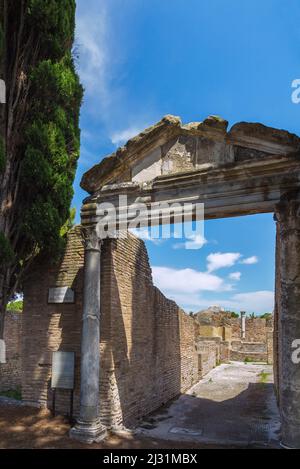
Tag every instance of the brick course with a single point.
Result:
(10, 372)
(147, 348)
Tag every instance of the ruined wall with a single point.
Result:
(10, 372)
(147, 348)
(208, 355)
(252, 351)
(258, 342)
(256, 329)
(51, 327)
(149, 352)
(212, 351)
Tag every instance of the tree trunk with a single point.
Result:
(27, 44)
(14, 72)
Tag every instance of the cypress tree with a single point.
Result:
(39, 133)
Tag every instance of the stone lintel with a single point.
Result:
(226, 192)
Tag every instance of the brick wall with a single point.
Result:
(213, 351)
(256, 329)
(147, 347)
(51, 327)
(208, 355)
(10, 372)
(255, 351)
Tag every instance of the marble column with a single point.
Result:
(88, 428)
(287, 215)
(243, 325)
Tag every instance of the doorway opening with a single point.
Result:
(225, 283)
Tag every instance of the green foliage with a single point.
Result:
(54, 22)
(15, 306)
(69, 223)
(266, 316)
(13, 394)
(2, 155)
(52, 135)
(247, 360)
(234, 315)
(6, 252)
(263, 377)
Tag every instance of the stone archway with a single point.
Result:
(250, 169)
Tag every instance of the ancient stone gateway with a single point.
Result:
(250, 169)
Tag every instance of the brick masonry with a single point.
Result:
(257, 344)
(10, 372)
(147, 347)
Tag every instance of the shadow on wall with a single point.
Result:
(141, 360)
(147, 346)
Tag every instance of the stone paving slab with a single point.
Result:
(233, 405)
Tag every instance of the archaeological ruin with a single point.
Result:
(134, 348)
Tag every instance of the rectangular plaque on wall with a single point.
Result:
(61, 295)
(63, 365)
(2, 351)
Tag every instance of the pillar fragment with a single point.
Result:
(88, 428)
(287, 215)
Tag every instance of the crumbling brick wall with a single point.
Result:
(147, 347)
(208, 355)
(10, 372)
(256, 329)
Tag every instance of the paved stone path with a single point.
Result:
(234, 405)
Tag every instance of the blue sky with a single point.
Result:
(140, 60)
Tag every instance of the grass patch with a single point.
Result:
(12, 394)
(248, 360)
(15, 306)
(263, 377)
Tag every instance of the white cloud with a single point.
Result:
(252, 302)
(122, 136)
(188, 287)
(250, 260)
(235, 276)
(92, 39)
(174, 281)
(102, 54)
(219, 260)
(194, 241)
(257, 301)
(145, 235)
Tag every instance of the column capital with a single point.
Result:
(92, 242)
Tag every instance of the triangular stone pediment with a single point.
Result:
(169, 147)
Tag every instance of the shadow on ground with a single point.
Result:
(234, 405)
(25, 427)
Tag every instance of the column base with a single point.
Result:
(87, 432)
(284, 446)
